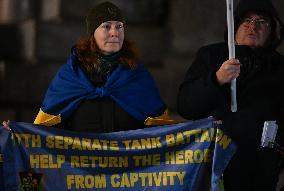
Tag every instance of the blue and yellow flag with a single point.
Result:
(164, 158)
(133, 89)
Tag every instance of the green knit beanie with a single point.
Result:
(103, 12)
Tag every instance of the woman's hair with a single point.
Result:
(87, 50)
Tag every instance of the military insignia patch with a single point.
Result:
(31, 181)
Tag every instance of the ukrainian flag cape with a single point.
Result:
(134, 90)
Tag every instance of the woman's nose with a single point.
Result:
(253, 25)
(113, 32)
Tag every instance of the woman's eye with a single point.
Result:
(247, 21)
(119, 26)
(106, 27)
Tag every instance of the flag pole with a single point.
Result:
(231, 45)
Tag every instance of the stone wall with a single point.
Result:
(36, 37)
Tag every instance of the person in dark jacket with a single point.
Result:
(258, 70)
(102, 87)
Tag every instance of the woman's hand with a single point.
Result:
(229, 70)
(6, 124)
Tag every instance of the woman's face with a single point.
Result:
(254, 31)
(109, 36)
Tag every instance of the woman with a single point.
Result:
(102, 88)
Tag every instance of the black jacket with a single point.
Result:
(101, 115)
(259, 91)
